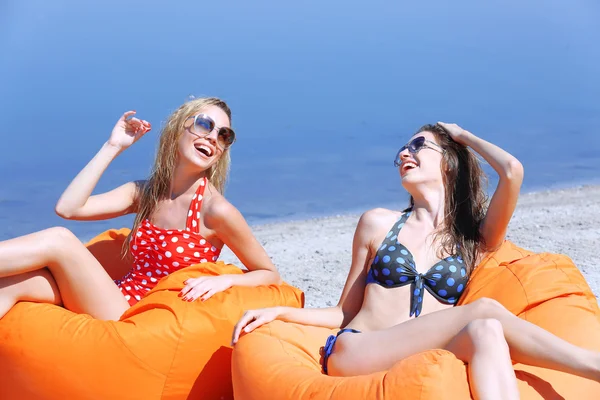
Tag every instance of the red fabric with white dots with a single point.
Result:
(158, 252)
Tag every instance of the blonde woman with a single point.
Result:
(182, 219)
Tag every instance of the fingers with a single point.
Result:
(186, 289)
(249, 322)
(127, 114)
(133, 123)
(190, 284)
(202, 287)
(194, 281)
(246, 318)
(254, 324)
(144, 128)
(448, 125)
(141, 132)
(452, 129)
(143, 124)
(137, 126)
(208, 294)
(133, 126)
(192, 294)
(196, 292)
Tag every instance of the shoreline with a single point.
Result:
(351, 211)
(315, 254)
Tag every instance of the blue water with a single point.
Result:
(323, 93)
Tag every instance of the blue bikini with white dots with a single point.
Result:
(394, 266)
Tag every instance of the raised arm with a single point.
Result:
(77, 203)
(504, 200)
(330, 317)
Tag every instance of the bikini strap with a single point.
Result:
(193, 218)
(392, 236)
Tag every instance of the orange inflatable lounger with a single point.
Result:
(162, 348)
(283, 361)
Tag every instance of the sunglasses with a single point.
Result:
(203, 125)
(414, 146)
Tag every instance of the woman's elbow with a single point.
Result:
(514, 171)
(62, 211)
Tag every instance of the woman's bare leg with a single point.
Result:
(83, 284)
(528, 343)
(482, 346)
(36, 286)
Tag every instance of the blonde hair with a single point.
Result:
(158, 185)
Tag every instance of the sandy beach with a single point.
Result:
(314, 255)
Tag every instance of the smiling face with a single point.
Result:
(202, 151)
(454, 171)
(424, 166)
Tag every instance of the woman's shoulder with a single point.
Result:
(216, 208)
(376, 215)
(378, 218)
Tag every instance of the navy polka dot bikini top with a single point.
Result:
(394, 266)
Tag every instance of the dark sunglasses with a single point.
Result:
(203, 125)
(414, 146)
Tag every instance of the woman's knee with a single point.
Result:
(58, 237)
(59, 233)
(485, 330)
(485, 307)
(481, 335)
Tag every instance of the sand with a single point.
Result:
(314, 255)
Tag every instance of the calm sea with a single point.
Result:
(323, 93)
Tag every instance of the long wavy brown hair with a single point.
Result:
(157, 186)
(465, 199)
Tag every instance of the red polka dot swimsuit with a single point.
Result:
(158, 252)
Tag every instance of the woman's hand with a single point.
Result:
(458, 134)
(204, 287)
(127, 131)
(253, 319)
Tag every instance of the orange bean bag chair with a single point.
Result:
(283, 361)
(162, 348)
